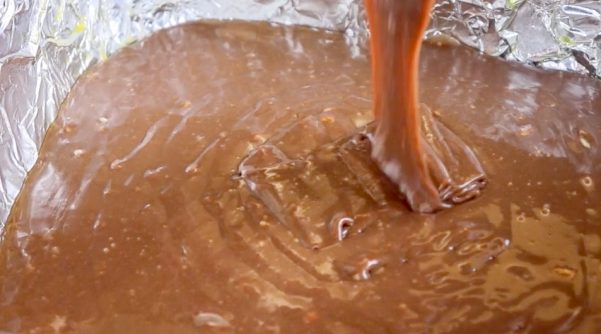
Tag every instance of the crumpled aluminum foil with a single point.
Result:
(553, 34)
(45, 45)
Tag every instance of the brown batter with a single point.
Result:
(211, 179)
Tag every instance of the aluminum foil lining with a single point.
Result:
(45, 45)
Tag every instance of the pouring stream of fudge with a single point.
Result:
(433, 168)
